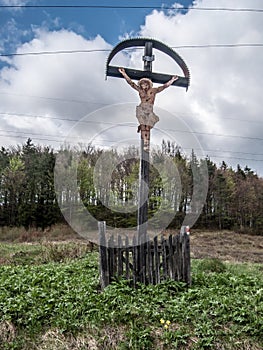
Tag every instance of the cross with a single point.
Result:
(144, 112)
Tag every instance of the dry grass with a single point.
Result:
(19, 234)
(224, 245)
(55, 340)
(63, 251)
(107, 338)
(7, 332)
(227, 246)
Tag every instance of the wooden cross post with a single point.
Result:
(144, 112)
(145, 131)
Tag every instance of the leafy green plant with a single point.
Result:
(211, 265)
(137, 337)
(59, 252)
(176, 337)
(220, 308)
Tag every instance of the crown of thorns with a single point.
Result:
(145, 80)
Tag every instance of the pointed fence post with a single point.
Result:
(104, 266)
(186, 259)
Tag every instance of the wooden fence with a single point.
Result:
(150, 262)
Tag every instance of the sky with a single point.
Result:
(59, 94)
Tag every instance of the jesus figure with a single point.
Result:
(147, 93)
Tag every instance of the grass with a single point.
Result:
(50, 297)
(59, 232)
(44, 252)
(59, 305)
(227, 246)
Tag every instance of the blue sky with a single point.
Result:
(44, 96)
(18, 25)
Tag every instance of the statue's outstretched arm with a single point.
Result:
(167, 84)
(128, 79)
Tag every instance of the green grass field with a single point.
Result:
(50, 298)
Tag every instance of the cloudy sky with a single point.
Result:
(53, 87)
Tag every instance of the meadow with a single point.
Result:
(50, 298)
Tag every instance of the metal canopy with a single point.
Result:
(183, 81)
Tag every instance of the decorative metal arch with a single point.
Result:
(148, 44)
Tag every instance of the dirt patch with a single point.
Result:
(227, 246)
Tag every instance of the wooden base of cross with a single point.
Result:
(145, 131)
(143, 182)
(147, 120)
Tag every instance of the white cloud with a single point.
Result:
(224, 97)
(66, 86)
(225, 82)
(13, 2)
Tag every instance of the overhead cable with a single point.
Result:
(59, 52)
(174, 8)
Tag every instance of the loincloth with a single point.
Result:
(145, 115)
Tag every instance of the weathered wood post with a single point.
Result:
(186, 259)
(145, 130)
(104, 266)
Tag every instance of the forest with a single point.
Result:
(30, 198)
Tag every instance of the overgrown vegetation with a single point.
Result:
(61, 306)
(27, 195)
(50, 296)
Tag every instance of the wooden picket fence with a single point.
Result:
(150, 262)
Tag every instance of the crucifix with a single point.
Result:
(147, 119)
(144, 111)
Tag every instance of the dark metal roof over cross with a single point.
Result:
(148, 58)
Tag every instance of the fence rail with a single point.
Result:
(150, 262)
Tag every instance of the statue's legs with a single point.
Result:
(147, 120)
(145, 115)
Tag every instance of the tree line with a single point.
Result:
(30, 198)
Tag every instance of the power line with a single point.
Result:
(226, 151)
(57, 118)
(46, 137)
(53, 52)
(99, 144)
(217, 46)
(63, 52)
(125, 123)
(217, 135)
(35, 138)
(96, 103)
(115, 141)
(229, 9)
(244, 120)
(26, 133)
(239, 158)
(54, 98)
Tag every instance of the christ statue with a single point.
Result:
(147, 93)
